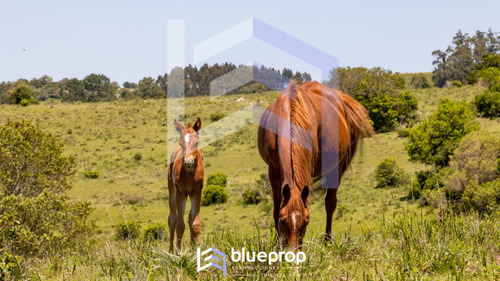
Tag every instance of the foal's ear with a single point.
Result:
(286, 192)
(197, 124)
(305, 194)
(178, 126)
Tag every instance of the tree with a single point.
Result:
(130, 85)
(147, 88)
(73, 90)
(347, 79)
(31, 161)
(435, 139)
(99, 87)
(461, 58)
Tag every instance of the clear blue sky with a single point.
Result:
(126, 40)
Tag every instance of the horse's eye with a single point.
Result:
(196, 144)
(281, 221)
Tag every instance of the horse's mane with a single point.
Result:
(303, 143)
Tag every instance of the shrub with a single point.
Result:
(24, 102)
(138, 157)
(213, 194)
(127, 230)
(44, 224)
(388, 111)
(216, 116)
(457, 83)
(435, 139)
(155, 231)
(474, 161)
(388, 174)
(32, 161)
(19, 94)
(218, 178)
(425, 180)
(483, 198)
(91, 174)
(488, 104)
(10, 267)
(252, 196)
(419, 82)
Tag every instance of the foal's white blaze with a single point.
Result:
(186, 138)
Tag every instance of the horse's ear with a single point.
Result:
(197, 124)
(178, 126)
(305, 194)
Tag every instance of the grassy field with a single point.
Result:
(378, 233)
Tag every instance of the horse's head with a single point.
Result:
(293, 215)
(189, 142)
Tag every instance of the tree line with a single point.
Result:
(197, 82)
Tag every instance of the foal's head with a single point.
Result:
(294, 215)
(189, 142)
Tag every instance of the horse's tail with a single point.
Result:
(357, 118)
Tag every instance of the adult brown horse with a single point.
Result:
(310, 131)
(185, 178)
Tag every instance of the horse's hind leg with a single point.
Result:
(172, 217)
(181, 206)
(330, 205)
(194, 217)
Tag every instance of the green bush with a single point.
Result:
(127, 230)
(213, 194)
(138, 157)
(24, 102)
(457, 83)
(19, 94)
(488, 104)
(217, 116)
(388, 111)
(420, 82)
(389, 174)
(32, 161)
(91, 174)
(474, 161)
(483, 198)
(218, 178)
(10, 267)
(435, 139)
(44, 224)
(425, 180)
(252, 196)
(155, 231)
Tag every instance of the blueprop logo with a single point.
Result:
(214, 260)
(245, 256)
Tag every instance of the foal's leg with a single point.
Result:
(330, 205)
(172, 217)
(194, 217)
(181, 206)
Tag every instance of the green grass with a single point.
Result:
(378, 234)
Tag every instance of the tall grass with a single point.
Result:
(401, 248)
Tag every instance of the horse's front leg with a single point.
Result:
(181, 206)
(194, 216)
(172, 217)
(275, 180)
